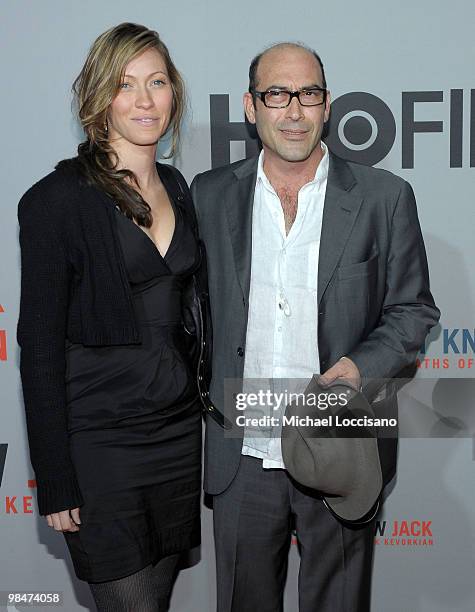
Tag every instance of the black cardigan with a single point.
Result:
(74, 286)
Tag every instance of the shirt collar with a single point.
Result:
(321, 174)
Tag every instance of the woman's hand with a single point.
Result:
(66, 520)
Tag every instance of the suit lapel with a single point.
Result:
(340, 210)
(239, 205)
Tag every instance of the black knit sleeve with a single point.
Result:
(41, 333)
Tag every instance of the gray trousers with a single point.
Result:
(253, 520)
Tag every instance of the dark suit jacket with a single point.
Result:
(375, 305)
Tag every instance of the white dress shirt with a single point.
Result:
(282, 328)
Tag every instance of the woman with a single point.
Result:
(108, 245)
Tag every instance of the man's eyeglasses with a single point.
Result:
(281, 98)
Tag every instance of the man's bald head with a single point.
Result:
(253, 68)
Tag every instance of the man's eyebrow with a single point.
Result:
(129, 76)
(288, 89)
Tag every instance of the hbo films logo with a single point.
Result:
(362, 127)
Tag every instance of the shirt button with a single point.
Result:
(240, 351)
(279, 328)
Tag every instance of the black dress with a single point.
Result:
(134, 421)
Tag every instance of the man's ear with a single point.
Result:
(249, 107)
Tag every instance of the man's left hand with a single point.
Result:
(344, 371)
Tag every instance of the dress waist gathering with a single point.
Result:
(159, 301)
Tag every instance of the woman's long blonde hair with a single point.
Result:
(95, 88)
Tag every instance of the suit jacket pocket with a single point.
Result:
(359, 269)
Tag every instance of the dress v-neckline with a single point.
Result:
(168, 188)
(149, 238)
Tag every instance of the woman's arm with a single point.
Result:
(45, 279)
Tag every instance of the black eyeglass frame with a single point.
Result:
(293, 94)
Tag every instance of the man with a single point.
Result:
(336, 282)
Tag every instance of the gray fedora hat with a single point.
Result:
(324, 450)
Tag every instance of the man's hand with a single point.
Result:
(66, 520)
(344, 371)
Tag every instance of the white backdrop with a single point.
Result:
(382, 49)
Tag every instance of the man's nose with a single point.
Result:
(294, 109)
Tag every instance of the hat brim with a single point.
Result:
(361, 504)
(345, 510)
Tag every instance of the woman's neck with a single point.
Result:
(141, 161)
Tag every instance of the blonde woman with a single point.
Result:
(108, 245)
